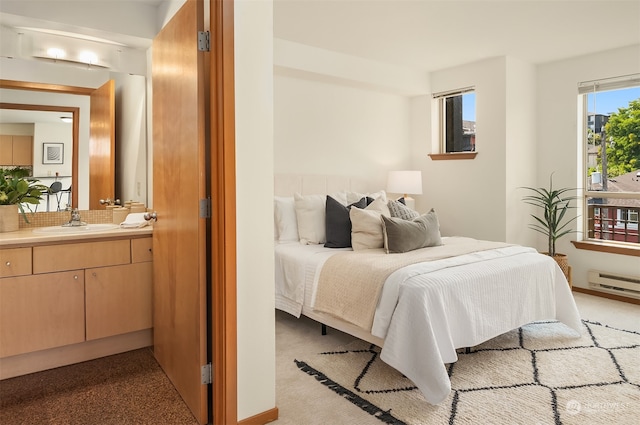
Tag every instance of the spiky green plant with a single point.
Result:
(17, 189)
(554, 204)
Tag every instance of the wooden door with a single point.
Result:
(102, 138)
(179, 177)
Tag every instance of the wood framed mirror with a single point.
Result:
(101, 148)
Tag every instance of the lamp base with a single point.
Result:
(410, 202)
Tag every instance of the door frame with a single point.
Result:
(223, 332)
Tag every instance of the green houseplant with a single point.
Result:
(18, 189)
(554, 204)
(553, 222)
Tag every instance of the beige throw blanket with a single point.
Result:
(350, 282)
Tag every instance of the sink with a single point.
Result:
(69, 230)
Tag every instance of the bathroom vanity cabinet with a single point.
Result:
(73, 300)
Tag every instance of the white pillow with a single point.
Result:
(356, 196)
(310, 213)
(342, 198)
(286, 224)
(366, 225)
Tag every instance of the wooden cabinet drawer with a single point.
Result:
(141, 250)
(80, 255)
(15, 262)
(41, 311)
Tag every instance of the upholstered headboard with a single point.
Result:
(309, 184)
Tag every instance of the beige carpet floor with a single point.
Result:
(303, 401)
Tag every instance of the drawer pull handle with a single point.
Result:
(75, 277)
(8, 263)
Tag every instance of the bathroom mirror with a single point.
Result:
(130, 169)
(46, 126)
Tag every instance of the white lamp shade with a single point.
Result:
(405, 182)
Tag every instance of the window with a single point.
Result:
(457, 121)
(611, 145)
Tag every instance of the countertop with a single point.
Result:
(24, 237)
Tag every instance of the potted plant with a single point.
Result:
(552, 223)
(17, 189)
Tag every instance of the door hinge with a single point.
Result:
(203, 41)
(206, 374)
(205, 208)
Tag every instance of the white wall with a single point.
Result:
(468, 195)
(338, 114)
(254, 173)
(558, 148)
(522, 131)
(326, 128)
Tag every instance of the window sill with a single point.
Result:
(608, 247)
(452, 155)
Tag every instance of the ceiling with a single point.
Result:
(437, 34)
(423, 34)
(16, 116)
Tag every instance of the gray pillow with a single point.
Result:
(406, 235)
(400, 210)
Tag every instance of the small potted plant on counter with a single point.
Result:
(16, 190)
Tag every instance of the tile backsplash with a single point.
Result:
(43, 219)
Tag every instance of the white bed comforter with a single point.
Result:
(428, 310)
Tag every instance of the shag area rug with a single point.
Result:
(537, 374)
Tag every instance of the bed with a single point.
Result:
(419, 304)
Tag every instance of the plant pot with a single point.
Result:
(9, 218)
(563, 262)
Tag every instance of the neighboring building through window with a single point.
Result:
(457, 113)
(611, 177)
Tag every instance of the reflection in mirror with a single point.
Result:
(131, 170)
(36, 138)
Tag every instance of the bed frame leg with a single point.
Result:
(324, 329)
(467, 350)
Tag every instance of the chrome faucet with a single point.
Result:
(75, 219)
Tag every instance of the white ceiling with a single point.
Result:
(16, 116)
(423, 34)
(437, 34)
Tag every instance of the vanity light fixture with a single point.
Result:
(66, 119)
(56, 53)
(88, 57)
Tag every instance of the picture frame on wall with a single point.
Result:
(53, 153)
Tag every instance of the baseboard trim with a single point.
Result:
(38, 361)
(606, 295)
(261, 418)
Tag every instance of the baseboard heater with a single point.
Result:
(626, 286)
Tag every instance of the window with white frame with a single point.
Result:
(611, 148)
(457, 120)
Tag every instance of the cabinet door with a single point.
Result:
(41, 312)
(22, 150)
(141, 250)
(6, 150)
(118, 299)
